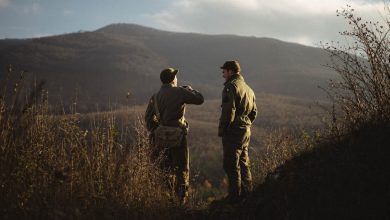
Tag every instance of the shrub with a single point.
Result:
(363, 89)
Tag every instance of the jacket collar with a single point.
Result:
(235, 76)
(166, 85)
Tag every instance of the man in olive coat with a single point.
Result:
(171, 101)
(238, 113)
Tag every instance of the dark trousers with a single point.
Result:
(236, 161)
(175, 161)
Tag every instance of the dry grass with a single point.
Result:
(98, 164)
(281, 145)
(51, 166)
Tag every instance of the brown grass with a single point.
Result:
(52, 166)
(98, 164)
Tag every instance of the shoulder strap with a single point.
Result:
(156, 107)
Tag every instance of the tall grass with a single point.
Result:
(280, 146)
(53, 166)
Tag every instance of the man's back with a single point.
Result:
(171, 105)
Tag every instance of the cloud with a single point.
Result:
(302, 21)
(4, 3)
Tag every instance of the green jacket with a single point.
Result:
(238, 107)
(171, 105)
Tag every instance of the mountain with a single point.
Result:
(99, 67)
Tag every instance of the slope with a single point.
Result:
(345, 177)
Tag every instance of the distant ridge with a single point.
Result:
(103, 65)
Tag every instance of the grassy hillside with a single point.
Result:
(276, 113)
(97, 165)
(345, 177)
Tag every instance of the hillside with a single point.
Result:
(344, 177)
(101, 66)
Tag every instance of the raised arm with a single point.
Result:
(191, 96)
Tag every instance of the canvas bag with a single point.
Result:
(166, 136)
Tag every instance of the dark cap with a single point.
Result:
(232, 65)
(168, 75)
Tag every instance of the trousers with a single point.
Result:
(236, 161)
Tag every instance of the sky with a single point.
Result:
(301, 21)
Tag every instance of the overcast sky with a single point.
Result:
(302, 21)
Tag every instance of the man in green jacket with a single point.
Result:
(171, 101)
(238, 113)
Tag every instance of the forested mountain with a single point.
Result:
(101, 66)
